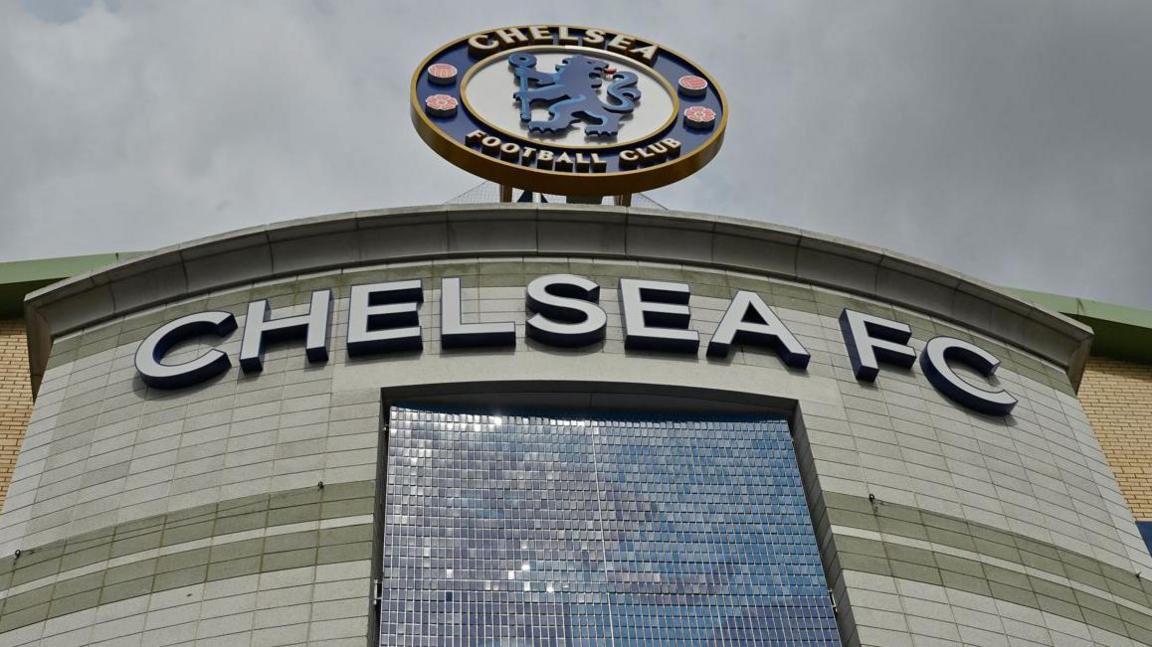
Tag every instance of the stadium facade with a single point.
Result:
(562, 424)
(494, 463)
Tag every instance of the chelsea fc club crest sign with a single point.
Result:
(568, 110)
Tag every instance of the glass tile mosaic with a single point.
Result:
(571, 530)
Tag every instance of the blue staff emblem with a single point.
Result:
(570, 95)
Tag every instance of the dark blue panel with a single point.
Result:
(571, 531)
(1145, 528)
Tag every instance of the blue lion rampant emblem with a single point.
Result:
(570, 95)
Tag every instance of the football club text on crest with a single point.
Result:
(568, 110)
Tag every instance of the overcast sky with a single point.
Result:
(1009, 140)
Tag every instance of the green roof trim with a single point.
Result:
(1122, 332)
(18, 278)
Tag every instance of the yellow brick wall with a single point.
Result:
(15, 396)
(1117, 396)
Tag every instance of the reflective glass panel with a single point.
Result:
(569, 530)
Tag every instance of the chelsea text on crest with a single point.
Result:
(487, 43)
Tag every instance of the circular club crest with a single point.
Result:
(568, 110)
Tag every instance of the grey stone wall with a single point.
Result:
(194, 517)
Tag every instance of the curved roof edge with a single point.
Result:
(1122, 332)
(468, 231)
(19, 278)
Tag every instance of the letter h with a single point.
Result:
(313, 327)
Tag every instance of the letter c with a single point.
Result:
(174, 376)
(934, 362)
(480, 45)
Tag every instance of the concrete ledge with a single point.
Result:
(460, 231)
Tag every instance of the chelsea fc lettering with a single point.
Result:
(565, 312)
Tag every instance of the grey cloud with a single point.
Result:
(1008, 140)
